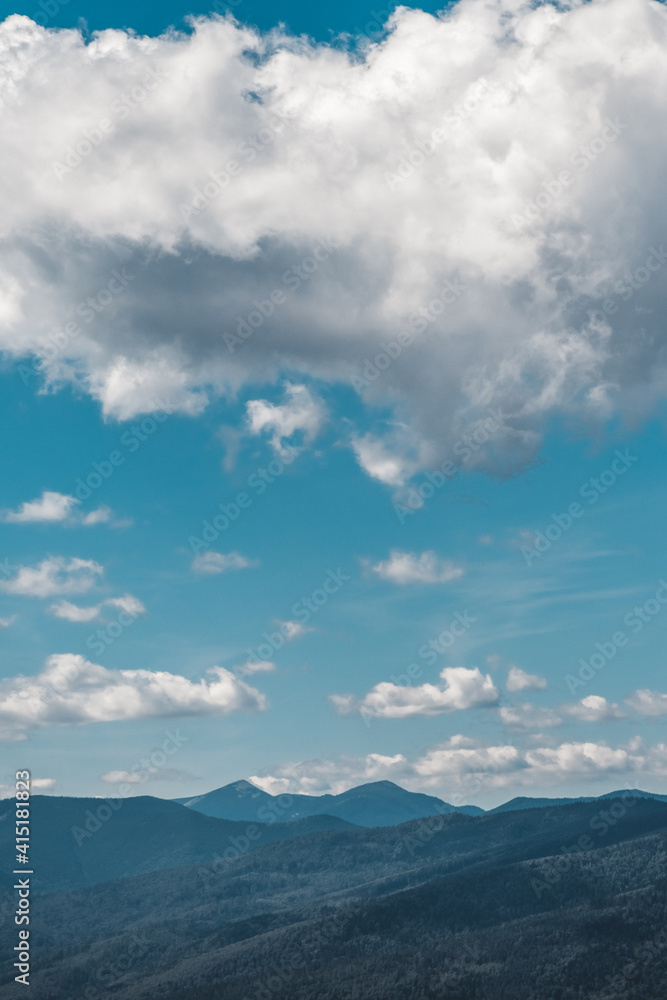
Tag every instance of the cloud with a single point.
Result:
(73, 613)
(6, 622)
(408, 567)
(143, 774)
(463, 689)
(49, 507)
(646, 702)
(389, 459)
(132, 605)
(519, 680)
(525, 717)
(55, 575)
(462, 769)
(71, 689)
(255, 667)
(301, 413)
(479, 253)
(56, 508)
(208, 563)
(594, 708)
(38, 785)
(293, 630)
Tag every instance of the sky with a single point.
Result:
(333, 378)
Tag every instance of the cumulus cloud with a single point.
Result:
(6, 622)
(302, 412)
(55, 575)
(519, 680)
(473, 767)
(56, 507)
(525, 717)
(482, 252)
(408, 567)
(463, 689)
(209, 563)
(49, 507)
(594, 708)
(647, 702)
(71, 689)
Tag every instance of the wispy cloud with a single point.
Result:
(210, 563)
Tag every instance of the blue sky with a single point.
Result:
(169, 427)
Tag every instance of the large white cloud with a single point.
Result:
(71, 689)
(463, 689)
(484, 250)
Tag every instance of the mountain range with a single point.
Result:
(549, 902)
(378, 803)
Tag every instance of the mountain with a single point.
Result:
(521, 802)
(78, 841)
(540, 904)
(378, 803)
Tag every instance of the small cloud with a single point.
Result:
(57, 508)
(73, 613)
(255, 667)
(128, 603)
(380, 461)
(217, 562)
(526, 716)
(408, 567)
(647, 702)
(485, 540)
(6, 622)
(100, 516)
(594, 708)
(143, 774)
(302, 413)
(519, 680)
(292, 630)
(50, 507)
(53, 576)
